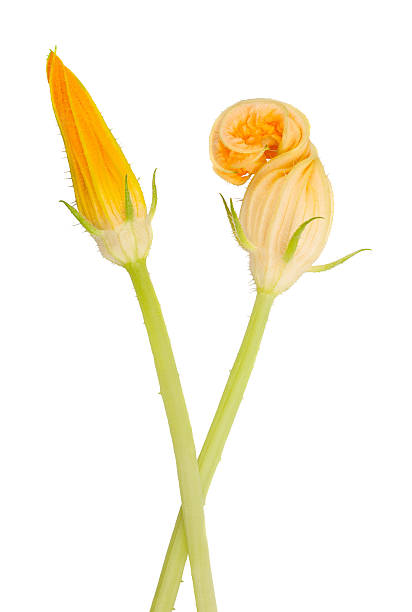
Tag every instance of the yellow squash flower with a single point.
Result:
(110, 202)
(287, 210)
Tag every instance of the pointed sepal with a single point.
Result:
(241, 236)
(236, 226)
(333, 264)
(154, 196)
(89, 227)
(229, 216)
(130, 212)
(294, 241)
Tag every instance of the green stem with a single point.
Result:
(209, 458)
(194, 531)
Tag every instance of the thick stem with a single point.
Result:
(193, 522)
(209, 458)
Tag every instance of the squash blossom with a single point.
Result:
(287, 209)
(110, 202)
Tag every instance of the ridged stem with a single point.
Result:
(193, 521)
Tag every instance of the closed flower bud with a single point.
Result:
(110, 202)
(248, 134)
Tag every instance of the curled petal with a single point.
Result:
(249, 134)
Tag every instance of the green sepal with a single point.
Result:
(130, 212)
(333, 264)
(154, 196)
(229, 216)
(243, 241)
(236, 226)
(293, 242)
(89, 227)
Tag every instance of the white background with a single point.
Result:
(311, 506)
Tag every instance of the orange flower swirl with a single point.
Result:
(252, 132)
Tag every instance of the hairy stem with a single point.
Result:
(193, 521)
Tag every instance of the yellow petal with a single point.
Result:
(97, 164)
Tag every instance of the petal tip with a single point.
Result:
(51, 59)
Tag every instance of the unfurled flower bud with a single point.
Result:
(287, 209)
(248, 134)
(110, 203)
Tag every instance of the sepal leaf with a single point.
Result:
(229, 216)
(236, 226)
(242, 239)
(89, 227)
(130, 212)
(154, 196)
(294, 241)
(333, 264)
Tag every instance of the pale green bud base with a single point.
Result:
(128, 242)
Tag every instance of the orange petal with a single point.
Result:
(252, 132)
(97, 164)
